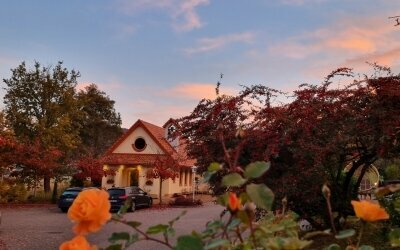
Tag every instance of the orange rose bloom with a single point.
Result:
(369, 211)
(234, 202)
(90, 210)
(77, 243)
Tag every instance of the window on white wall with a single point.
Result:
(186, 177)
(180, 177)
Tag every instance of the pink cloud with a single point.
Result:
(347, 37)
(386, 58)
(214, 43)
(186, 17)
(152, 111)
(197, 91)
(82, 85)
(348, 42)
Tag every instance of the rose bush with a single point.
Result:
(236, 230)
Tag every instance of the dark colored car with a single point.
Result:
(67, 197)
(134, 196)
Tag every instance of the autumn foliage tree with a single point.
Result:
(40, 108)
(324, 134)
(33, 161)
(164, 168)
(44, 111)
(89, 167)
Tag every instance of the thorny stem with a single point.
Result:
(328, 203)
(252, 234)
(225, 234)
(146, 236)
(360, 234)
(233, 164)
(239, 234)
(226, 153)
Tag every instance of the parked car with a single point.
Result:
(68, 196)
(135, 197)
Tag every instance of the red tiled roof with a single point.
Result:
(158, 134)
(138, 159)
(119, 158)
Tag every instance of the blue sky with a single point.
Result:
(158, 58)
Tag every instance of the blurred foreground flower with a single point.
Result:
(90, 210)
(77, 243)
(369, 211)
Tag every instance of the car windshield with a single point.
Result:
(114, 192)
(70, 193)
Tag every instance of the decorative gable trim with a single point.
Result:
(165, 146)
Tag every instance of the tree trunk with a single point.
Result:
(55, 191)
(161, 181)
(46, 184)
(35, 185)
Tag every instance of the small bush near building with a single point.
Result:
(12, 192)
(184, 201)
(40, 197)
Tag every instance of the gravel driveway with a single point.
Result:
(46, 227)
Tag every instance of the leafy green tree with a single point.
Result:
(101, 124)
(40, 104)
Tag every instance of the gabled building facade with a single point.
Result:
(138, 150)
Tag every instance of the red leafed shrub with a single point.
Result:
(184, 201)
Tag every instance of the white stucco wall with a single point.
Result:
(126, 145)
(121, 179)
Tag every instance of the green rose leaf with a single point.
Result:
(333, 247)
(160, 228)
(233, 180)
(188, 242)
(394, 237)
(256, 169)
(234, 223)
(134, 224)
(295, 243)
(134, 238)
(345, 234)
(217, 243)
(114, 247)
(119, 236)
(366, 247)
(214, 166)
(261, 195)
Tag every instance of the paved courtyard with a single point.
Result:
(46, 227)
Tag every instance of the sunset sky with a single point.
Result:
(158, 58)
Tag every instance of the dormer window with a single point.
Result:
(171, 131)
(171, 136)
